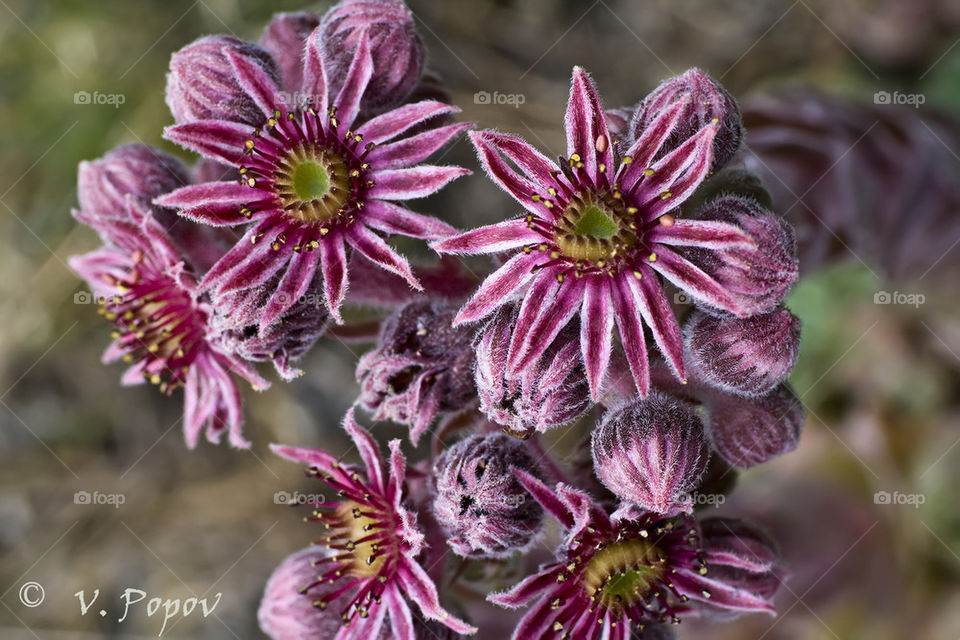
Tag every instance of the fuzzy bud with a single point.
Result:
(420, 368)
(551, 392)
(757, 277)
(651, 452)
(398, 54)
(749, 356)
(708, 101)
(201, 84)
(237, 317)
(479, 502)
(750, 431)
(285, 38)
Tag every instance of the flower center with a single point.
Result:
(312, 183)
(623, 574)
(363, 536)
(595, 228)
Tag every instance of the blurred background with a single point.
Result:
(879, 370)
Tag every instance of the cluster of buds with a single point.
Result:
(311, 142)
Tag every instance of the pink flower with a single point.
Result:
(599, 237)
(376, 542)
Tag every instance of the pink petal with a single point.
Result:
(498, 286)
(536, 166)
(333, 263)
(553, 316)
(520, 187)
(310, 457)
(415, 149)
(693, 280)
(348, 101)
(586, 124)
(627, 314)
(260, 263)
(217, 139)
(401, 621)
(376, 250)
(494, 238)
(420, 588)
(394, 219)
(315, 75)
(645, 148)
(256, 82)
(708, 234)
(392, 123)
(596, 326)
(213, 203)
(295, 282)
(368, 451)
(541, 293)
(414, 182)
(679, 173)
(526, 590)
(658, 315)
(546, 497)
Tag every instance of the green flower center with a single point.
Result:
(623, 573)
(595, 229)
(310, 180)
(313, 184)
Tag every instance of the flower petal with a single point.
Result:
(494, 238)
(658, 315)
(498, 286)
(376, 250)
(586, 126)
(310, 457)
(678, 174)
(394, 122)
(645, 147)
(708, 234)
(401, 621)
(553, 316)
(333, 263)
(369, 452)
(358, 77)
(256, 82)
(315, 74)
(693, 280)
(547, 498)
(596, 326)
(420, 588)
(213, 203)
(536, 166)
(295, 282)
(415, 149)
(216, 139)
(414, 182)
(394, 219)
(520, 187)
(627, 313)
(526, 590)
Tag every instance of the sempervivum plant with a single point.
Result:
(312, 141)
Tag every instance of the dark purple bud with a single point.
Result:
(741, 557)
(285, 38)
(757, 277)
(237, 316)
(651, 452)
(397, 51)
(551, 392)
(707, 102)
(748, 356)
(286, 612)
(421, 367)
(479, 502)
(130, 170)
(201, 84)
(750, 431)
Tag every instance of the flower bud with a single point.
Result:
(479, 502)
(748, 356)
(742, 558)
(551, 392)
(237, 316)
(420, 368)
(201, 84)
(757, 277)
(286, 613)
(285, 39)
(708, 101)
(651, 452)
(750, 431)
(132, 169)
(398, 54)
